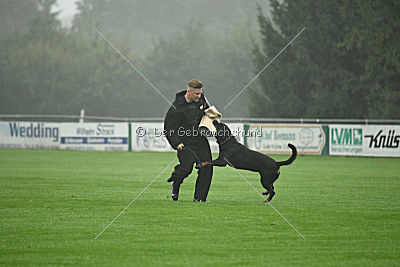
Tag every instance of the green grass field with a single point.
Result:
(54, 203)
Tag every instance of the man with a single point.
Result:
(181, 130)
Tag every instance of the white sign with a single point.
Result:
(147, 136)
(274, 138)
(381, 141)
(365, 140)
(94, 136)
(16, 134)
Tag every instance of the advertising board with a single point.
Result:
(274, 138)
(94, 136)
(76, 136)
(346, 140)
(383, 141)
(17, 134)
(147, 136)
(365, 140)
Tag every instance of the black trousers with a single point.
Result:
(186, 164)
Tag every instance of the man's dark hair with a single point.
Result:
(195, 84)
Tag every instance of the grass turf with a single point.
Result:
(54, 203)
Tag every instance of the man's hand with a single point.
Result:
(180, 146)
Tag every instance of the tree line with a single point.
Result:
(345, 64)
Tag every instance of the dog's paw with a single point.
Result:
(270, 196)
(268, 199)
(201, 165)
(265, 193)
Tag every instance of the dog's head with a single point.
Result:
(222, 131)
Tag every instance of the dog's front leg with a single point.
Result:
(202, 164)
(219, 162)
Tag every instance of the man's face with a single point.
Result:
(194, 94)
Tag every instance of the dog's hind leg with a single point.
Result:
(277, 173)
(268, 183)
(271, 192)
(267, 192)
(270, 197)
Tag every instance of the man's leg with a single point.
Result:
(182, 170)
(204, 177)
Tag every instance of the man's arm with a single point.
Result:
(171, 129)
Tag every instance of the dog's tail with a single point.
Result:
(292, 157)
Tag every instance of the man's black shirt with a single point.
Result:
(181, 125)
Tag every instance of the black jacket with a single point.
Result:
(181, 125)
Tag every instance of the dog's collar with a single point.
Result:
(226, 140)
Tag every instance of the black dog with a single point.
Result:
(236, 155)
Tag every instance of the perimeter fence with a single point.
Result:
(350, 137)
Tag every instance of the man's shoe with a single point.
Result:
(175, 190)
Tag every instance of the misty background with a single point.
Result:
(345, 64)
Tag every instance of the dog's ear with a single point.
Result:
(215, 122)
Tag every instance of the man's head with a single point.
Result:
(194, 91)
